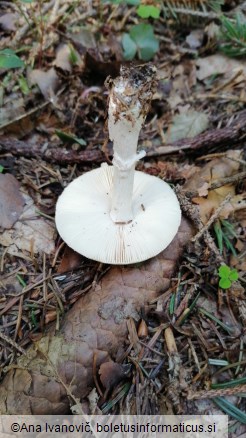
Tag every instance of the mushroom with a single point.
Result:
(115, 214)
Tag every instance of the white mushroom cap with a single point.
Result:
(83, 218)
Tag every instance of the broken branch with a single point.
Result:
(230, 135)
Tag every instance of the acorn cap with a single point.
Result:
(83, 218)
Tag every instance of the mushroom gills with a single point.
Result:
(84, 222)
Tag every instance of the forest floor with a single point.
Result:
(54, 59)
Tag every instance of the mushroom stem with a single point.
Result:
(90, 210)
(129, 100)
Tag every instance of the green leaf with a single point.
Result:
(33, 318)
(73, 55)
(1, 168)
(8, 59)
(229, 245)
(69, 138)
(21, 281)
(224, 283)
(233, 33)
(218, 362)
(230, 409)
(219, 235)
(224, 271)
(187, 125)
(146, 53)
(233, 275)
(143, 36)
(146, 11)
(23, 85)
(229, 384)
(129, 47)
(229, 227)
(230, 28)
(172, 304)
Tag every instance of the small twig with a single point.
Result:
(176, 48)
(193, 352)
(54, 11)
(19, 316)
(151, 349)
(212, 139)
(216, 393)
(13, 343)
(44, 278)
(95, 279)
(210, 242)
(34, 285)
(228, 180)
(193, 213)
(214, 216)
(95, 374)
(57, 293)
(2, 259)
(21, 33)
(25, 115)
(188, 208)
(227, 97)
(228, 82)
(195, 13)
(221, 155)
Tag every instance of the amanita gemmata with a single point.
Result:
(115, 214)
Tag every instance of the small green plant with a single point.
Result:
(225, 232)
(8, 59)
(233, 34)
(148, 11)
(141, 41)
(73, 55)
(70, 138)
(227, 276)
(23, 85)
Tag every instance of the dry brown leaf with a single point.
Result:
(47, 81)
(11, 201)
(239, 261)
(217, 64)
(143, 329)
(195, 38)
(70, 260)
(31, 233)
(203, 191)
(111, 373)
(216, 169)
(63, 58)
(96, 325)
(10, 286)
(183, 78)
(84, 38)
(51, 315)
(7, 21)
(236, 203)
(187, 125)
(13, 109)
(223, 314)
